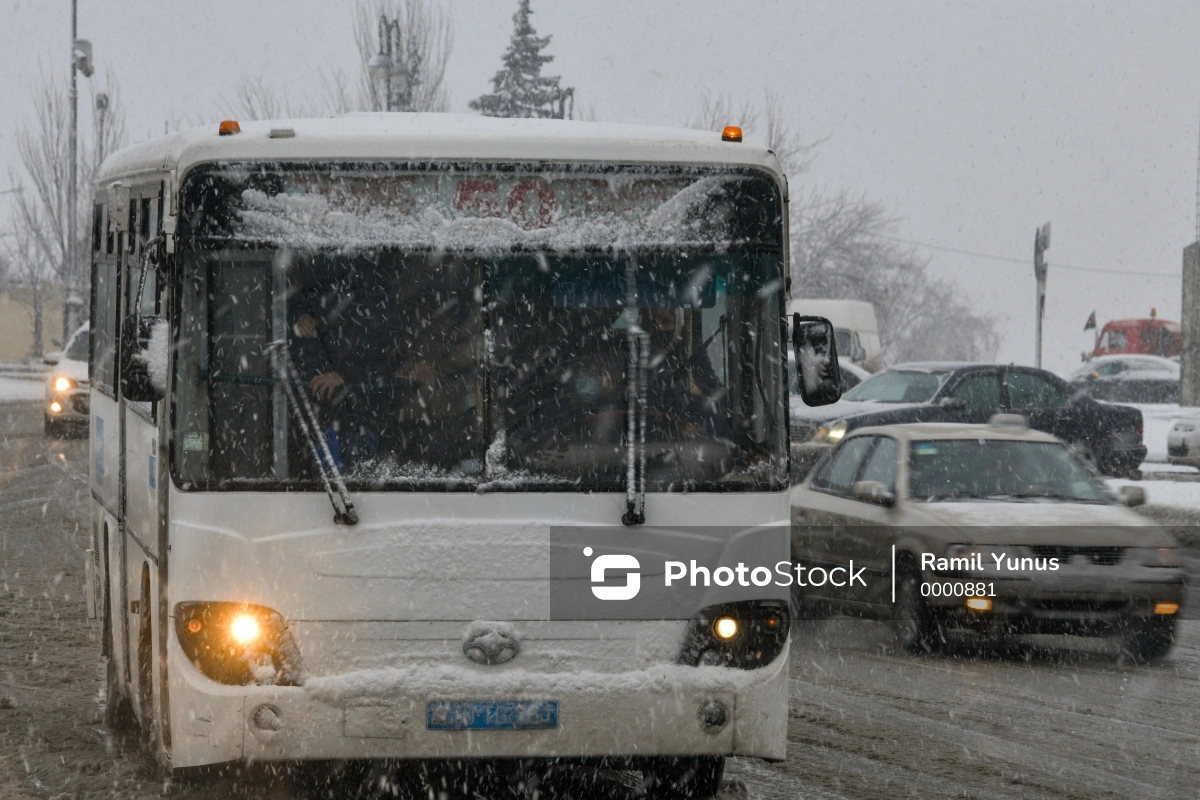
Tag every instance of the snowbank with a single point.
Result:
(16, 390)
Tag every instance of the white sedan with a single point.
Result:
(66, 408)
(986, 530)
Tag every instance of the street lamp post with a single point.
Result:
(81, 61)
(1041, 243)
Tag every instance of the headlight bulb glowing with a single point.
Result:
(725, 627)
(244, 629)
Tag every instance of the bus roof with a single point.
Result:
(426, 136)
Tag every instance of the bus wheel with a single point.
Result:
(693, 778)
(118, 711)
(145, 665)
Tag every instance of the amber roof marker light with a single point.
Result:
(228, 127)
(732, 133)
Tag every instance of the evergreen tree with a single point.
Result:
(519, 89)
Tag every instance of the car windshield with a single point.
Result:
(999, 469)
(899, 386)
(77, 350)
(506, 363)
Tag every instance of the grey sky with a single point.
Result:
(974, 122)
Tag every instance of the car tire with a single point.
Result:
(1149, 640)
(52, 429)
(691, 777)
(911, 621)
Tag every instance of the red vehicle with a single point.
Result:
(1151, 336)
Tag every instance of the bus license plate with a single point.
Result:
(502, 715)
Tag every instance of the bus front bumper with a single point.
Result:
(666, 710)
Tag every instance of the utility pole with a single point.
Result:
(81, 61)
(1041, 243)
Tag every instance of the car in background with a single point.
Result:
(851, 376)
(1105, 435)
(1183, 441)
(855, 329)
(1145, 336)
(902, 500)
(66, 408)
(1129, 379)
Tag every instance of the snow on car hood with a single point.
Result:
(978, 521)
(75, 370)
(841, 409)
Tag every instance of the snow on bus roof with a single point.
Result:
(427, 136)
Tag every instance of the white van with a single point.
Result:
(854, 325)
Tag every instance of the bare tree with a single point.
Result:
(842, 247)
(421, 52)
(42, 212)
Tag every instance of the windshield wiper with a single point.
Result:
(306, 415)
(635, 395)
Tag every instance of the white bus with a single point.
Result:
(350, 379)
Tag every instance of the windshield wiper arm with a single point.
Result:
(306, 415)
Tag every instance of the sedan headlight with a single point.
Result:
(1157, 556)
(832, 434)
(63, 383)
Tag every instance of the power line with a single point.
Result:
(1011, 260)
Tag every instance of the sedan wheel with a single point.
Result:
(911, 622)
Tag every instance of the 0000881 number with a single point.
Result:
(957, 590)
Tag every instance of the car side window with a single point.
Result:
(980, 391)
(881, 464)
(837, 476)
(1027, 390)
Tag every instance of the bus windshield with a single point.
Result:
(451, 337)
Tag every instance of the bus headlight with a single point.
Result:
(62, 383)
(238, 644)
(743, 635)
(244, 629)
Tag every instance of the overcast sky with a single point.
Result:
(973, 122)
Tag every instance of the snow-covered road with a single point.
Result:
(865, 721)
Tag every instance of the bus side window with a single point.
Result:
(97, 227)
(104, 312)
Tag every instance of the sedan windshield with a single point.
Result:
(899, 386)
(999, 469)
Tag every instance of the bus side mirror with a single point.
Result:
(145, 341)
(817, 369)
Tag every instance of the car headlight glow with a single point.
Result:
(1157, 556)
(832, 434)
(62, 384)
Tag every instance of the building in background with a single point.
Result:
(16, 323)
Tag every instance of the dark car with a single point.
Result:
(1129, 379)
(1106, 436)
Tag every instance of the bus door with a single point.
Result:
(140, 465)
(104, 456)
